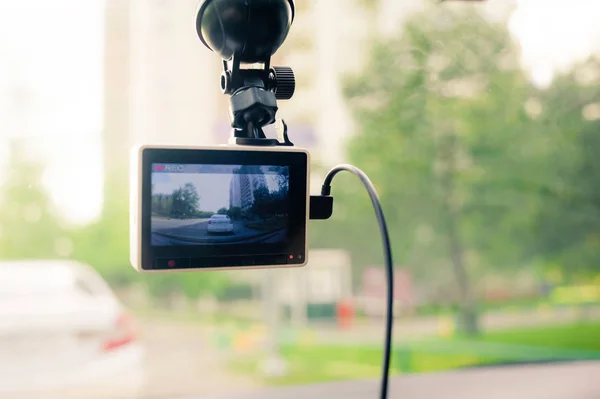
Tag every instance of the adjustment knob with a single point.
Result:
(284, 82)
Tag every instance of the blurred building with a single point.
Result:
(117, 93)
(161, 84)
(245, 181)
(174, 78)
(326, 41)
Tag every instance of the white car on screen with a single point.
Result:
(219, 224)
(64, 334)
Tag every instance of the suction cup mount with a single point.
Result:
(246, 34)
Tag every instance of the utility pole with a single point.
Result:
(274, 364)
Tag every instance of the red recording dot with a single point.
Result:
(291, 256)
(171, 263)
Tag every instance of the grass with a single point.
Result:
(320, 363)
(328, 363)
(323, 364)
(576, 337)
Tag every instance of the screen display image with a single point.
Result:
(196, 204)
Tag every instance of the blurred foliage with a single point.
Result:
(28, 226)
(105, 243)
(237, 291)
(568, 226)
(476, 168)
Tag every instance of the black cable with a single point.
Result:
(389, 264)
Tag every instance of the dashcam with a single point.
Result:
(245, 205)
(216, 208)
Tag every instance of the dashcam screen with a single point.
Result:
(219, 204)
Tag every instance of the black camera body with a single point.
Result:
(219, 207)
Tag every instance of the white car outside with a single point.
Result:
(63, 333)
(219, 224)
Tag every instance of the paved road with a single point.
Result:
(550, 381)
(195, 231)
(160, 223)
(181, 362)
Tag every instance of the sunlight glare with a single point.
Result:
(55, 51)
(554, 34)
(542, 74)
(75, 181)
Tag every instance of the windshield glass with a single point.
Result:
(477, 121)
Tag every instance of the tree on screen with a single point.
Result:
(262, 202)
(281, 175)
(235, 213)
(161, 204)
(279, 202)
(222, 211)
(186, 202)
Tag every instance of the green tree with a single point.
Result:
(441, 129)
(191, 285)
(29, 228)
(262, 202)
(162, 204)
(235, 213)
(202, 284)
(279, 202)
(223, 211)
(104, 244)
(568, 220)
(185, 201)
(282, 177)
